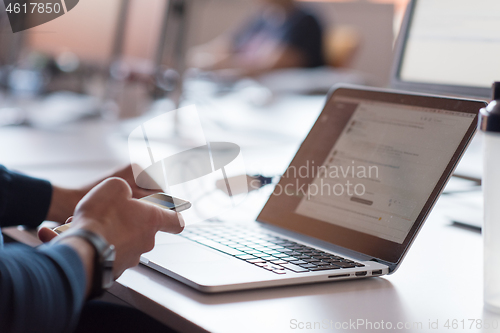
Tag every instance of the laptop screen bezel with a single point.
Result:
(375, 247)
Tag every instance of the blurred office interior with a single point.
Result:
(72, 89)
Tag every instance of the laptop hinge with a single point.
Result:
(392, 266)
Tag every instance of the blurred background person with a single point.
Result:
(280, 35)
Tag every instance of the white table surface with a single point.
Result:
(440, 279)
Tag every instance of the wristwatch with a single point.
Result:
(103, 261)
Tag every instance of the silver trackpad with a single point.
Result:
(183, 252)
(200, 264)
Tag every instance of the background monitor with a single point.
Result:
(449, 47)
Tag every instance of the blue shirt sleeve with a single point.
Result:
(23, 200)
(41, 290)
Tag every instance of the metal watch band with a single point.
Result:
(103, 259)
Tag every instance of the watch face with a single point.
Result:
(108, 255)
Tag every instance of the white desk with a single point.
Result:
(440, 279)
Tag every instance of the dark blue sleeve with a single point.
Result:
(41, 290)
(23, 200)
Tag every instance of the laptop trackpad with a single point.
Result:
(188, 252)
(202, 265)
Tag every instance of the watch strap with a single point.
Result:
(103, 259)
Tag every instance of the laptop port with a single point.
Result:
(377, 272)
(338, 276)
(361, 273)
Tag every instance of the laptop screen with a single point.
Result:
(371, 168)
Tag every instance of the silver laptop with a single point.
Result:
(349, 205)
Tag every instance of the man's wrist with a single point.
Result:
(86, 252)
(104, 258)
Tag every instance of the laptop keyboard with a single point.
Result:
(270, 252)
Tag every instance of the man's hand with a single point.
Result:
(64, 201)
(129, 224)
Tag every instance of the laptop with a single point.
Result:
(349, 205)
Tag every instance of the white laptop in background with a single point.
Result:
(350, 204)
